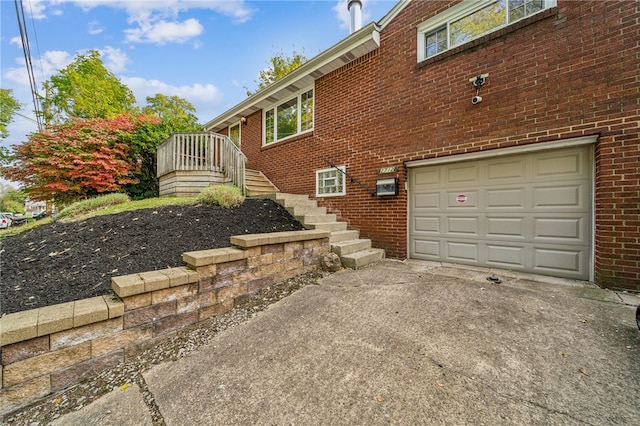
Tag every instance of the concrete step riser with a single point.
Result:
(328, 226)
(364, 258)
(338, 236)
(350, 246)
(316, 218)
(302, 210)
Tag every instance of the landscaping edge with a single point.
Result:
(49, 349)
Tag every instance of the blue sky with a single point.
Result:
(205, 51)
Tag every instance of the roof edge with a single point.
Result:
(390, 16)
(370, 32)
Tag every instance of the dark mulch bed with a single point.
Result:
(61, 262)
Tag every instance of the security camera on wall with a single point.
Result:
(476, 100)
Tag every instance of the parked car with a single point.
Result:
(9, 216)
(39, 215)
(5, 221)
(19, 219)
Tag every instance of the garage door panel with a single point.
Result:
(462, 173)
(503, 169)
(462, 251)
(468, 199)
(505, 256)
(559, 165)
(427, 177)
(429, 200)
(506, 197)
(526, 212)
(510, 227)
(557, 261)
(427, 249)
(560, 228)
(567, 196)
(427, 224)
(468, 226)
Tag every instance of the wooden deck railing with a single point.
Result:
(204, 151)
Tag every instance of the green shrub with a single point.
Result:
(93, 204)
(222, 195)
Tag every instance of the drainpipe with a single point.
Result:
(355, 7)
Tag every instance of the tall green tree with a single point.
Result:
(86, 89)
(178, 114)
(279, 65)
(8, 108)
(175, 115)
(13, 201)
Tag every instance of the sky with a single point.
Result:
(205, 51)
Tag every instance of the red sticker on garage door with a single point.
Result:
(461, 198)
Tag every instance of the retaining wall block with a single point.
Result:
(75, 336)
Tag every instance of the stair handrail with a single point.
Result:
(353, 180)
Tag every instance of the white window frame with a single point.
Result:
(459, 11)
(341, 170)
(274, 109)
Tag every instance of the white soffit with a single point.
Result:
(358, 44)
(523, 149)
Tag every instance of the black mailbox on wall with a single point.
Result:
(385, 187)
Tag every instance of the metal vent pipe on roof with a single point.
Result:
(355, 9)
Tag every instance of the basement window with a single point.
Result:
(330, 182)
(470, 20)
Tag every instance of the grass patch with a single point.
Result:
(99, 206)
(92, 204)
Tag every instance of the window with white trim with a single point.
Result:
(330, 182)
(289, 118)
(472, 19)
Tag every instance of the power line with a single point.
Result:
(27, 58)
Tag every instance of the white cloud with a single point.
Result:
(163, 32)
(95, 28)
(115, 60)
(206, 98)
(35, 8)
(156, 21)
(49, 63)
(17, 41)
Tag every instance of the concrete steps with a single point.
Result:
(355, 252)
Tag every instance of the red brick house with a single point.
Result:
(511, 126)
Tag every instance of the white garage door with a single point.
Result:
(528, 212)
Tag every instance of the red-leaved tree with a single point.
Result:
(79, 159)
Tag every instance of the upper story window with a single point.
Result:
(472, 19)
(289, 118)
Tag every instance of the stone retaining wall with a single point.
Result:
(48, 349)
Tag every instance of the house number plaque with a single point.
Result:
(385, 170)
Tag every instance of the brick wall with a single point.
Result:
(570, 71)
(48, 349)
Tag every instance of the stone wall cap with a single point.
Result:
(252, 240)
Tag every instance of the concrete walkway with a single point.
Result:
(407, 343)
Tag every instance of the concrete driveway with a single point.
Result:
(415, 343)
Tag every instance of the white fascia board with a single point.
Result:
(363, 41)
(390, 16)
